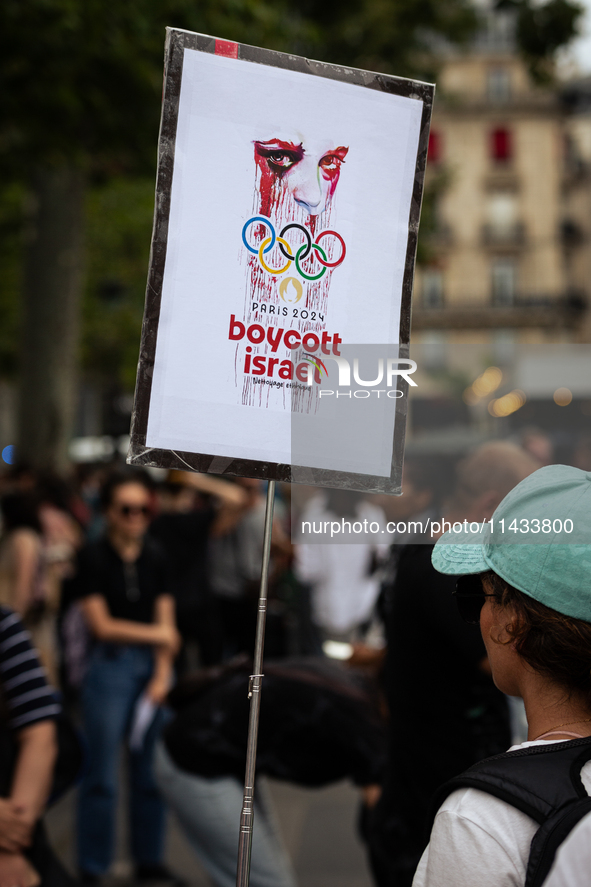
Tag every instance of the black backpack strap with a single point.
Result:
(538, 780)
(549, 837)
(543, 781)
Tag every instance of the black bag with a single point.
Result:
(543, 781)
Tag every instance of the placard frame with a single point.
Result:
(177, 41)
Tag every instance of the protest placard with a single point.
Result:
(287, 209)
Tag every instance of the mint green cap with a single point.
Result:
(551, 566)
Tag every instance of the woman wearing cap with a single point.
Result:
(533, 600)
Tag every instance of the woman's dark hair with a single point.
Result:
(555, 645)
(20, 510)
(54, 490)
(120, 479)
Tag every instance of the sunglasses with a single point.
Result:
(133, 510)
(470, 598)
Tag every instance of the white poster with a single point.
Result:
(288, 228)
(287, 209)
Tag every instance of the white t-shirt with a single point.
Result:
(343, 594)
(480, 841)
(572, 866)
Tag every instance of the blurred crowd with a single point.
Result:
(139, 593)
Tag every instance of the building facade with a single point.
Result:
(507, 256)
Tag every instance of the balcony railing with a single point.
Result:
(527, 311)
(505, 237)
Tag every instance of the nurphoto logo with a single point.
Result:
(388, 372)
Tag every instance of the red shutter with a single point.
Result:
(434, 151)
(501, 145)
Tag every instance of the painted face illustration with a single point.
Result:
(293, 248)
(307, 169)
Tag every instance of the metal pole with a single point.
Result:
(254, 694)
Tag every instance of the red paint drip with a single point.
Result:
(269, 185)
(226, 48)
(273, 199)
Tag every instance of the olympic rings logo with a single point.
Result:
(285, 248)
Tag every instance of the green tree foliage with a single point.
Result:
(435, 185)
(395, 36)
(80, 84)
(119, 226)
(542, 29)
(80, 79)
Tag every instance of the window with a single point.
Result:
(501, 211)
(433, 349)
(501, 145)
(498, 85)
(503, 346)
(432, 288)
(503, 282)
(434, 150)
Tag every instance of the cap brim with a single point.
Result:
(461, 553)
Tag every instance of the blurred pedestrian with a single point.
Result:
(437, 674)
(62, 534)
(62, 538)
(538, 444)
(319, 724)
(24, 585)
(21, 477)
(582, 454)
(343, 575)
(236, 552)
(122, 582)
(86, 505)
(184, 530)
(424, 480)
(23, 580)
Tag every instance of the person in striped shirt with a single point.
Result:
(28, 708)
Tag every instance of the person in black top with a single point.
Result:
(445, 712)
(318, 724)
(121, 580)
(184, 529)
